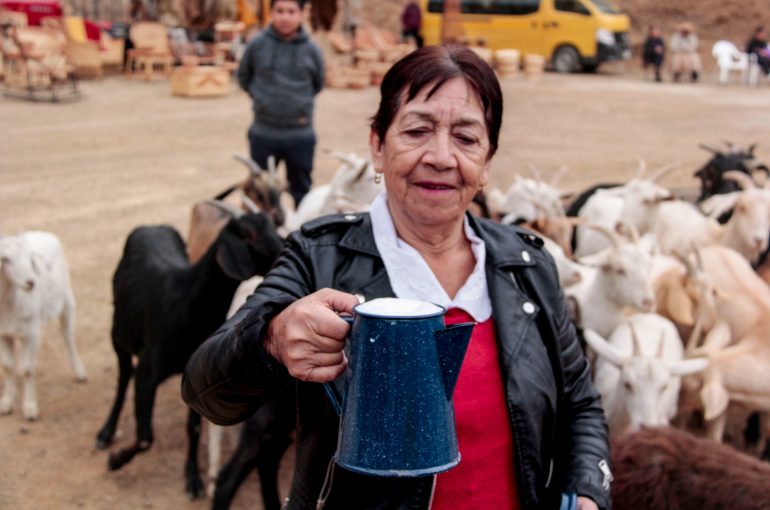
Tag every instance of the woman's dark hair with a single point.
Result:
(436, 65)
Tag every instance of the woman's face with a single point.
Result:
(434, 155)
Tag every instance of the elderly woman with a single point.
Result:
(529, 422)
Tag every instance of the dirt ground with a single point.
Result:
(130, 154)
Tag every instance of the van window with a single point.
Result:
(571, 6)
(608, 6)
(490, 6)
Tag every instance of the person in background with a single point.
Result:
(654, 51)
(758, 46)
(530, 425)
(283, 70)
(683, 48)
(411, 22)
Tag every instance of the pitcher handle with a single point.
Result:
(332, 389)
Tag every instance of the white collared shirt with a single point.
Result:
(411, 277)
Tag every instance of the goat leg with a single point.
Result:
(28, 371)
(125, 370)
(145, 388)
(9, 381)
(194, 485)
(67, 326)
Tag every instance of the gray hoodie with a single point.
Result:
(282, 77)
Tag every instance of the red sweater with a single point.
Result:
(485, 477)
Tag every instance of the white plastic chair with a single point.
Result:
(730, 58)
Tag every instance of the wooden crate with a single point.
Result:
(200, 81)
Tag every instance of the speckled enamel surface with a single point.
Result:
(397, 415)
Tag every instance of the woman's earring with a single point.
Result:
(377, 177)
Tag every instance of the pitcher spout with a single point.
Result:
(451, 344)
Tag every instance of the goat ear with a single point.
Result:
(603, 348)
(688, 366)
(678, 303)
(233, 254)
(714, 397)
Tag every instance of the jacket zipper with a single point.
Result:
(432, 491)
(327, 486)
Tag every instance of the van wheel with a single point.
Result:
(566, 59)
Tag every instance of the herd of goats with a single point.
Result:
(670, 296)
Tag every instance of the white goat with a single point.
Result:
(680, 225)
(528, 199)
(352, 189)
(617, 278)
(34, 288)
(217, 432)
(638, 371)
(636, 203)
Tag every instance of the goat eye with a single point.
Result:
(620, 271)
(628, 385)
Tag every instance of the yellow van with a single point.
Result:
(572, 34)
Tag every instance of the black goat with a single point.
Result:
(264, 439)
(165, 308)
(711, 173)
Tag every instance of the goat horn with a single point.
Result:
(611, 234)
(250, 204)
(663, 171)
(253, 167)
(556, 178)
(364, 167)
(709, 148)
(535, 172)
(641, 169)
(632, 230)
(227, 208)
(744, 180)
(751, 148)
(637, 348)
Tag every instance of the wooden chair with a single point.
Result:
(85, 55)
(9, 18)
(151, 49)
(36, 65)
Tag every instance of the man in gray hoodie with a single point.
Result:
(283, 70)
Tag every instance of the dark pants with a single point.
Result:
(296, 152)
(656, 61)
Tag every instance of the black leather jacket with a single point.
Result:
(559, 429)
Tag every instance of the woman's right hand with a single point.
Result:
(308, 336)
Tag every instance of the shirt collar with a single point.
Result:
(411, 277)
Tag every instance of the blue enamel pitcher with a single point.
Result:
(395, 398)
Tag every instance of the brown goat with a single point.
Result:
(260, 191)
(666, 468)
